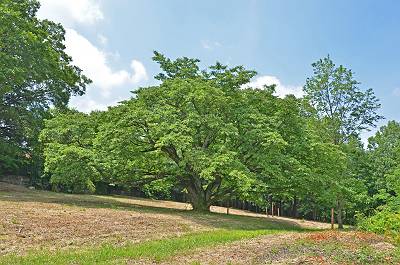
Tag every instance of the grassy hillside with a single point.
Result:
(38, 227)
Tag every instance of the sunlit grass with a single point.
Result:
(155, 250)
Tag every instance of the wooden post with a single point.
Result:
(332, 218)
(278, 212)
(227, 208)
(272, 209)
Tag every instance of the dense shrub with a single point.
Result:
(386, 222)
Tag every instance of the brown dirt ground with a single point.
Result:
(31, 219)
(298, 222)
(223, 210)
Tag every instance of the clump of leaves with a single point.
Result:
(386, 222)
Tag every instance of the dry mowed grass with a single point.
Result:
(32, 219)
(37, 220)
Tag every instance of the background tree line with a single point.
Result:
(201, 133)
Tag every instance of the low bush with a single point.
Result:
(385, 221)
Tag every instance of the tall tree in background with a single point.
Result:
(35, 73)
(343, 109)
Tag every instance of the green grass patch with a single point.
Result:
(155, 250)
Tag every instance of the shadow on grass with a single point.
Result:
(211, 219)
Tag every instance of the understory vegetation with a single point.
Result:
(385, 221)
(200, 134)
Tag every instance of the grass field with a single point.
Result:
(38, 227)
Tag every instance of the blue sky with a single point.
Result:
(113, 40)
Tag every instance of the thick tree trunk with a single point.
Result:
(201, 198)
(198, 200)
(339, 213)
(200, 205)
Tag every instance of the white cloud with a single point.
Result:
(396, 92)
(210, 45)
(139, 72)
(69, 12)
(102, 39)
(93, 62)
(86, 104)
(281, 90)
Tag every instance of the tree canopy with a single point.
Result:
(200, 131)
(36, 73)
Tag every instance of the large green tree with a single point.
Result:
(200, 129)
(35, 73)
(201, 133)
(343, 111)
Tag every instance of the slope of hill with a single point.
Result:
(39, 227)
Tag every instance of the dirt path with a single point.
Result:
(298, 222)
(218, 209)
(24, 194)
(27, 225)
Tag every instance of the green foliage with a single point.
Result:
(199, 128)
(384, 155)
(72, 168)
(159, 189)
(198, 132)
(385, 221)
(344, 109)
(201, 133)
(393, 180)
(70, 159)
(35, 74)
(10, 157)
(384, 182)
